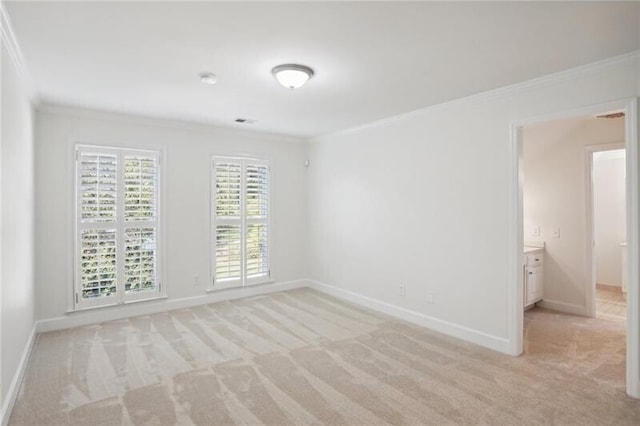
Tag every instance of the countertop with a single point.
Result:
(528, 250)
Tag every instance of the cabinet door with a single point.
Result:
(533, 285)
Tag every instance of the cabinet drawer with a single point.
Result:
(533, 259)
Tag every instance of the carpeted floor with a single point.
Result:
(301, 357)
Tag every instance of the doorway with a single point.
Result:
(516, 291)
(606, 197)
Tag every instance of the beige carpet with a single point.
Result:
(300, 357)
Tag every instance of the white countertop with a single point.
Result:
(528, 250)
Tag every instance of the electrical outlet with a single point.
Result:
(535, 231)
(430, 297)
(403, 290)
(556, 233)
(196, 280)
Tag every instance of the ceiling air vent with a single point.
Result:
(612, 115)
(245, 120)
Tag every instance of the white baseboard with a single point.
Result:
(14, 388)
(455, 330)
(567, 308)
(86, 317)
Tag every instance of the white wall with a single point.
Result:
(17, 225)
(424, 199)
(187, 157)
(554, 155)
(609, 211)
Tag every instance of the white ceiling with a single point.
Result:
(372, 60)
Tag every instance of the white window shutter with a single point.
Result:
(228, 252)
(140, 259)
(257, 215)
(140, 182)
(140, 215)
(98, 186)
(228, 220)
(228, 190)
(98, 263)
(117, 225)
(240, 214)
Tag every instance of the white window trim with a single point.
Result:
(243, 281)
(77, 303)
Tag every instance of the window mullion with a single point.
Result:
(77, 244)
(120, 251)
(243, 223)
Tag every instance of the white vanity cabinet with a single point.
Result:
(533, 276)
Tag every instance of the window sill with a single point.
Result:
(112, 305)
(240, 287)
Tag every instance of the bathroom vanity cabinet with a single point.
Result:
(533, 270)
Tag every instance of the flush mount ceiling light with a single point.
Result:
(208, 78)
(292, 76)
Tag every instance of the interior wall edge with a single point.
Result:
(496, 343)
(16, 381)
(10, 41)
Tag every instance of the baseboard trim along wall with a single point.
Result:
(81, 318)
(455, 330)
(567, 308)
(14, 388)
(76, 319)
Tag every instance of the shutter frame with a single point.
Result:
(248, 169)
(118, 226)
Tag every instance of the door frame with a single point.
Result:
(516, 239)
(590, 293)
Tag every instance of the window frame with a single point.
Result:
(120, 225)
(243, 281)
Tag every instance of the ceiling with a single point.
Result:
(371, 60)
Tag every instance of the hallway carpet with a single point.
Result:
(301, 357)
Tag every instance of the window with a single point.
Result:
(117, 230)
(240, 217)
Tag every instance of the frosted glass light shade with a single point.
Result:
(292, 76)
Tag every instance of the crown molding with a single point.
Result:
(501, 92)
(8, 37)
(87, 113)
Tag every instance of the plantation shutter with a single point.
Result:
(140, 215)
(257, 211)
(97, 191)
(228, 219)
(117, 225)
(241, 216)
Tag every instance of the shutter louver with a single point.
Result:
(228, 252)
(140, 259)
(257, 191)
(257, 211)
(140, 180)
(257, 253)
(228, 190)
(98, 189)
(228, 211)
(98, 263)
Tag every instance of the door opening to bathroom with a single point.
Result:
(606, 197)
(562, 237)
